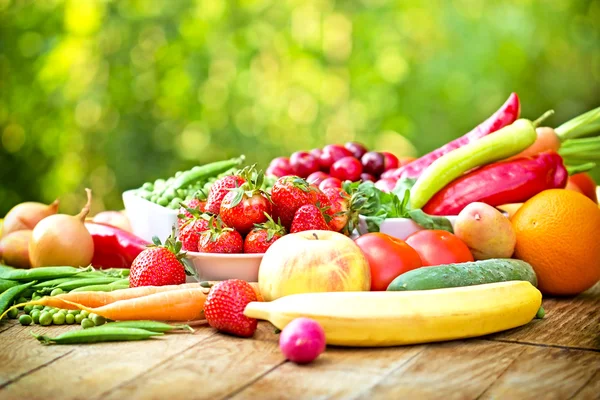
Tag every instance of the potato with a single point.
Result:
(14, 248)
(486, 232)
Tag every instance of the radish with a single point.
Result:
(302, 340)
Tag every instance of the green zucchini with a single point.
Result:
(464, 274)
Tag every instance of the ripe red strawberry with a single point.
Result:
(309, 217)
(247, 205)
(339, 202)
(225, 304)
(288, 194)
(219, 189)
(198, 203)
(263, 236)
(158, 265)
(189, 233)
(220, 239)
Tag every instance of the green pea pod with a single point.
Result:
(7, 284)
(205, 171)
(506, 142)
(101, 288)
(76, 283)
(9, 296)
(97, 334)
(55, 282)
(38, 274)
(152, 326)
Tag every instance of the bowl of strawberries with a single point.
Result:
(226, 236)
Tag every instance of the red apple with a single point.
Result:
(303, 163)
(313, 261)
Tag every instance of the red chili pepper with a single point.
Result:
(506, 115)
(114, 247)
(506, 182)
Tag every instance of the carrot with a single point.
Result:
(173, 305)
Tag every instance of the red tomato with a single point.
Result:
(438, 247)
(388, 257)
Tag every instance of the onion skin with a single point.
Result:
(62, 239)
(14, 248)
(26, 216)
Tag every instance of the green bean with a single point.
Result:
(6, 284)
(45, 318)
(101, 288)
(98, 334)
(25, 320)
(56, 291)
(152, 326)
(205, 171)
(13, 313)
(87, 323)
(68, 286)
(37, 274)
(69, 319)
(8, 296)
(35, 315)
(58, 318)
(79, 318)
(55, 282)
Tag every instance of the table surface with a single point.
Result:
(554, 358)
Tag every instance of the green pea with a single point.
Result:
(85, 313)
(74, 312)
(25, 320)
(36, 297)
(35, 315)
(181, 192)
(159, 184)
(38, 307)
(70, 319)
(163, 201)
(53, 311)
(58, 318)
(56, 291)
(13, 313)
(27, 309)
(87, 323)
(98, 319)
(45, 318)
(79, 318)
(148, 186)
(21, 300)
(48, 308)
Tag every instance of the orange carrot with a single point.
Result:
(173, 305)
(547, 140)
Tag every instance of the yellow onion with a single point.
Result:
(26, 216)
(14, 249)
(62, 239)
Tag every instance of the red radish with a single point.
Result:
(26, 216)
(302, 340)
(303, 164)
(373, 163)
(317, 177)
(330, 182)
(386, 184)
(62, 239)
(357, 149)
(332, 153)
(390, 161)
(367, 177)
(347, 168)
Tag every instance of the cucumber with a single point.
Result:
(464, 274)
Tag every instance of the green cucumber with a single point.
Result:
(464, 274)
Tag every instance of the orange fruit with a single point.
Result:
(557, 233)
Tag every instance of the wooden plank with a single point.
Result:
(20, 353)
(93, 369)
(339, 373)
(568, 322)
(546, 373)
(211, 369)
(591, 391)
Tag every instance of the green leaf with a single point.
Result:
(430, 222)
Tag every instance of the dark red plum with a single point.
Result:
(372, 162)
(357, 149)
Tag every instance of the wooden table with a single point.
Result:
(554, 358)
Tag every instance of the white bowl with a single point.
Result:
(400, 228)
(218, 267)
(149, 219)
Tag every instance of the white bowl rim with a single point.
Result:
(224, 255)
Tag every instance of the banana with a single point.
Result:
(370, 319)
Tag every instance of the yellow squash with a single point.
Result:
(396, 318)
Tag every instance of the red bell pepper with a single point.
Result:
(506, 115)
(505, 182)
(114, 247)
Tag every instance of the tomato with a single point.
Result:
(438, 247)
(388, 257)
(585, 184)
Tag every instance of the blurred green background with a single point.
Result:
(110, 94)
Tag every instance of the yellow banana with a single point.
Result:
(396, 318)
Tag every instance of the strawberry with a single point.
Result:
(288, 194)
(225, 304)
(219, 190)
(339, 203)
(263, 236)
(198, 202)
(220, 239)
(158, 265)
(247, 205)
(189, 232)
(309, 217)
